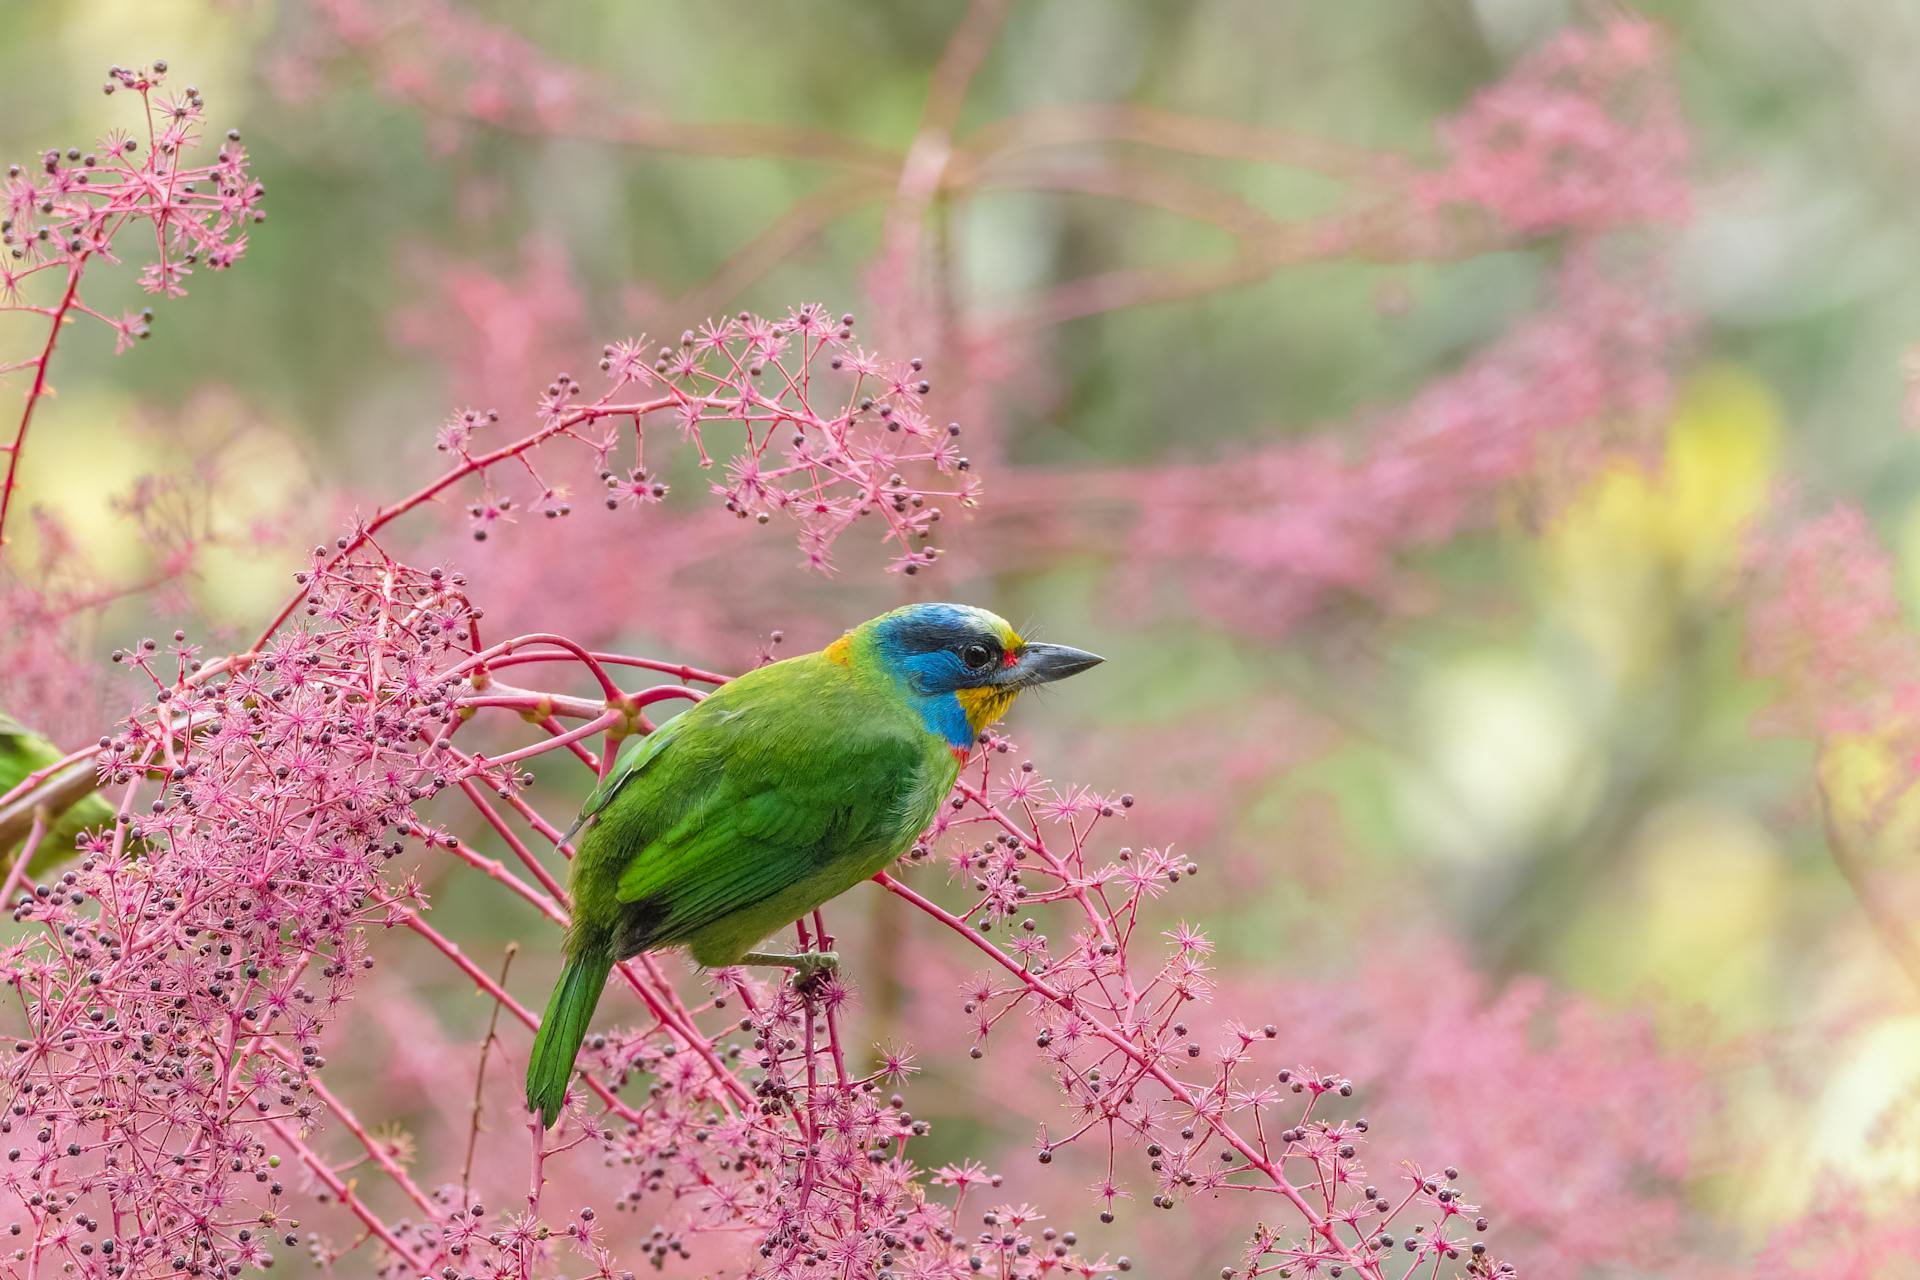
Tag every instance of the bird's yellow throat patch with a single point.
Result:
(984, 706)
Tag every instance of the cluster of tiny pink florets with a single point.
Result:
(818, 430)
(1120, 1033)
(175, 980)
(76, 203)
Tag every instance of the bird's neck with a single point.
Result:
(946, 717)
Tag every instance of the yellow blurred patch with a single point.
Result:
(1872, 802)
(78, 460)
(235, 482)
(1635, 548)
(221, 63)
(1864, 1126)
(1695, 916)
(1721, 455)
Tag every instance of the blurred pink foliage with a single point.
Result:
(1827, 628)
(1277, 533)
(1574, 1118)
(1844, 1237)
(1584, 135)
(56, 683)
(1582, 140)
(458, 66)
(496, 333)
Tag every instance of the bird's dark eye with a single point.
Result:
(976, 656)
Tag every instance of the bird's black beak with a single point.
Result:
(1045, 663)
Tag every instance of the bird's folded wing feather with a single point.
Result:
(769, 817)
(635, 755)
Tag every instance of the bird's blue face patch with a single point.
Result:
(938, 652)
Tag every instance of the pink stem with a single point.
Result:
(323, 1171)
(37, 392)
(677, 669)
(471, 466)
(18, 871)
(374, 1147)
(482, 763)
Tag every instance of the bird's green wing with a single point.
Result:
(23, 751)
(634, 756)
(774, 816)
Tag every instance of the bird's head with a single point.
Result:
(963, 666)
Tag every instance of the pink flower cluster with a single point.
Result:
(821, 431)
(174, 982)
(75, 205)
(1119, 1022)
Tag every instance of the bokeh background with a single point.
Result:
(1477, 433)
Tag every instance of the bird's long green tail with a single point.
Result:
(561, 1031)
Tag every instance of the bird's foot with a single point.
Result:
(807, 966)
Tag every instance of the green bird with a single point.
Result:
(23, 751)
(781, 790)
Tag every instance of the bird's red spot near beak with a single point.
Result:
(1011, 660)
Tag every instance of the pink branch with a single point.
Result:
(1179, 1091)
(344, 1193)
(37, 391)
(470, 466)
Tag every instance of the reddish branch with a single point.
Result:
(41, 363)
